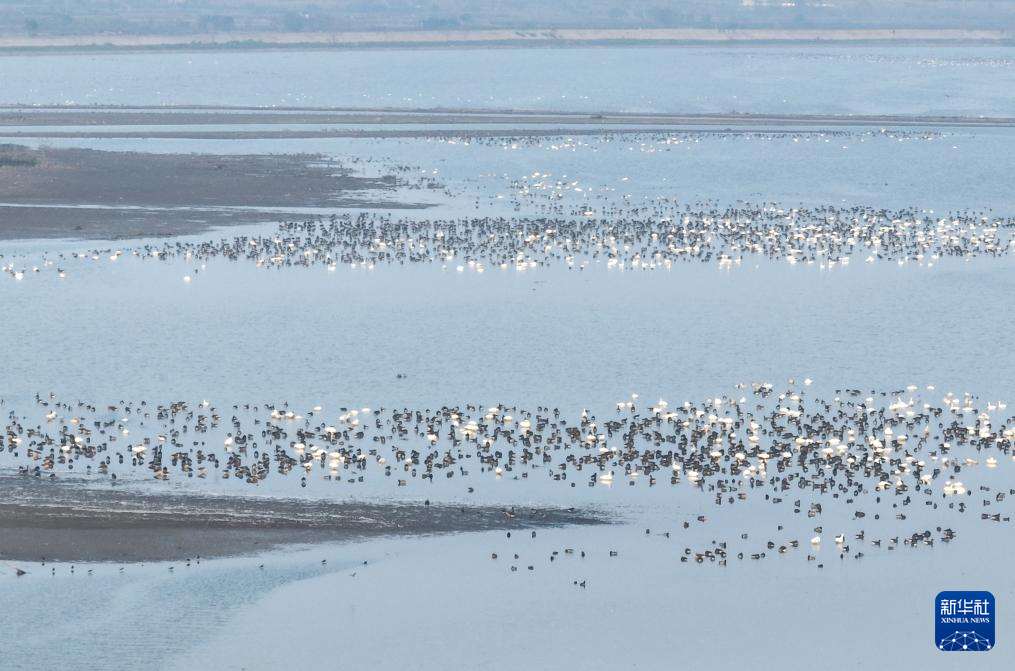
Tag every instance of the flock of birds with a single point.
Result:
(856, 457)
(547, 192)
(637, 239)
(654, 140)
(869, 461)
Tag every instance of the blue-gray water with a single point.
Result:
(791, 79)
(132, 329)
(558, 337)
(938, 169)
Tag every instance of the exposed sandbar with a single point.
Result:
(62, 521)
(66, 117)
(499, 37)
(85, 193)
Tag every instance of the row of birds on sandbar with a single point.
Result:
(635, 239)
(865, 454)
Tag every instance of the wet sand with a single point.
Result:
(496, 37)
(64, 521)
(54, 117)
(23, 223)
(85, 193)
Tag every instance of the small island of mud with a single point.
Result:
(85, 193)
(69, 521)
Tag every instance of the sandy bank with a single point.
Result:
(92, 121)
(66, 521)
(441, 38)
(128, 194)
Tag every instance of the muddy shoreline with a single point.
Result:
(60, 521)
(84, 193)
(499, 38)
(238, 116)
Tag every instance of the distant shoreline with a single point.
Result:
(388, 121)
(498, 38)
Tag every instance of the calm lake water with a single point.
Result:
(565, 338)
(841, 80)
(132, 329)
(936, 169)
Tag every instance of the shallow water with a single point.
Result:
(860, 79)
(541, 620)
(419, 602)
(340, 338)
(933, 168)
(236, 333)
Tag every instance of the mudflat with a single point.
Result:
(496, 37)
(89, 121)
(54, 520)
(86, 193)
